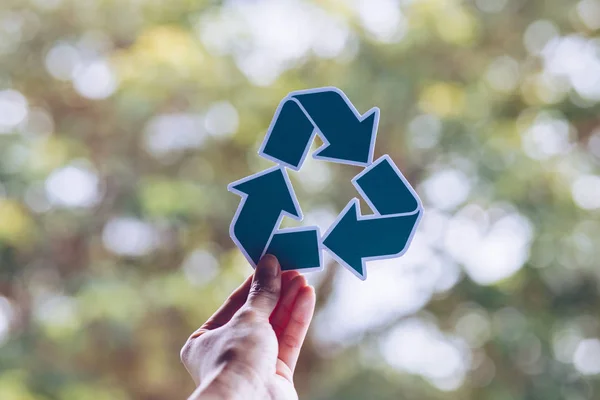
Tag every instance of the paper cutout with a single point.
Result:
(348, 137)
(354, 239)
(268, 196)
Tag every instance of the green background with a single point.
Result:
(123, 121)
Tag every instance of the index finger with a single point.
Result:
(294, 333)
(233, 303)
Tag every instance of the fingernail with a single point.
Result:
(269, 266)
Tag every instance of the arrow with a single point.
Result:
(267, 197)
(354, 239)
(348, 137)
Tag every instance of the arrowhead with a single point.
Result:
(349, 137)
(343, 240)
(272, 188)
(354, 239)
(356, 146)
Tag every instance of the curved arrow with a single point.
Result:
(349, 138)
(354, 239)
(267, 197)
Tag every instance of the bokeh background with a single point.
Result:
(122, 122)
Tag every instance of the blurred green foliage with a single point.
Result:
(123, 121)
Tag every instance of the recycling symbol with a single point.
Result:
(348, 138)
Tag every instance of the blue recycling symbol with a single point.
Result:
(348, 138)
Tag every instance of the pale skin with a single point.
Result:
(250, 346)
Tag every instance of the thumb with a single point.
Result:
(266, 286)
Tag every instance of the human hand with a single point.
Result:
(249, 348)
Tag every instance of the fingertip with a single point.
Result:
(268, 272)
(303, 279)
(269, 266)
(297, 283)
(308, 291)
(288, 276)
(306, 300)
